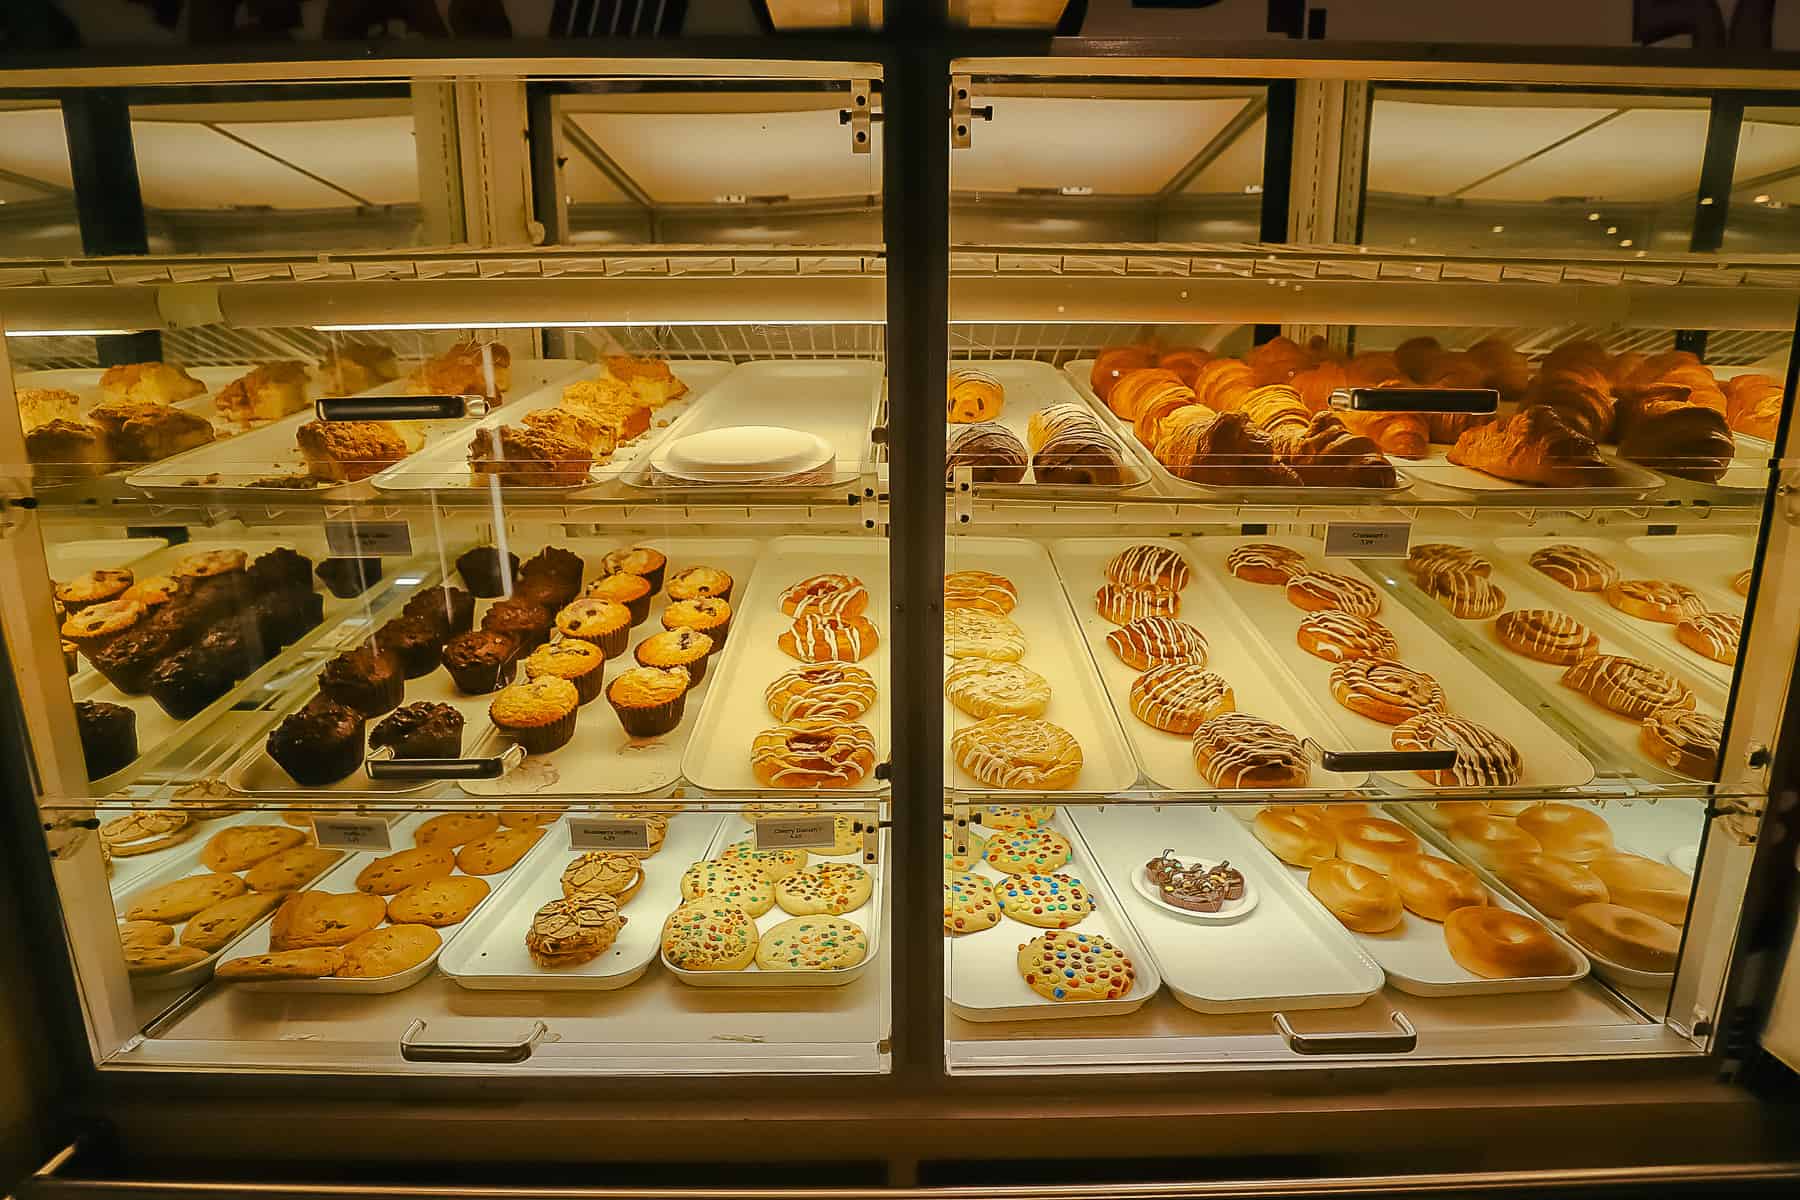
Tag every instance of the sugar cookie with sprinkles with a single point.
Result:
(776, 865)
(969, 904)
(1064, 966)
(829, 889)
(812, 944)
(974, 845)
(738, 883)
(1016, 816)
(1047, 901)
(709, 934)
(1028, 851)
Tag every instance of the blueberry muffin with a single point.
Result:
(606, 623)
(579, 662)
(539, 714)
(633, 591)
(685, 648)
(641, 561)
(700, 583)
(710, 616)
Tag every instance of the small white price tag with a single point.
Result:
(368, 539)
(352, 833)
(608, 833)
(1367, 539)
(795, 833)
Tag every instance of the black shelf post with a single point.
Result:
(108, 202)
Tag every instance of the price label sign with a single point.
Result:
(368, 539)
(1367, 539)
(796, 833)
(608, 833)
(352, 833)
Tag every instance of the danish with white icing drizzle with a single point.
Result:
(1122, 603)
(1179, 696)
(1443, 556)
(1265, 562)
(1684, 741)
(1713, 634)
(1546, 635)
(1465, 594)
(1150, 641)
(1149, 566)
(828, 595)
(817, 638)
(980, 589)
(971, 633)
(1385, 691)
(1575, 567)
(1627, 686)
(1018, 752)
(1483, 757)
(1315, 590)
(826, 692)
(1237, 750)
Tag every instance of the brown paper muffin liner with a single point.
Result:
(541, 739)
(653, 721)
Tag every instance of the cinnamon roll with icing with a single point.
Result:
(1546, 635)
(1483, 757)
(1627, 686)
(1383, 690)
(1237, 750)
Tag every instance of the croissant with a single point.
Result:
(1445, 428)
(1402, 434)
(1753, 405)
(1159, 403)
(1581, 395)
(1071, 447)
(1185, 361)
(1414, 356)
(1112, 363)
(971, 396)
(1376, 368)
(1128, 393)
(1623, 368)
(1534, 445)
(1655, 395)
(1174, 424)
(1047, 423)
(1327, 454)
(1703, 388)
(1220, 378)
(1322, 352)
(1579, 353)
(1226, 452)
(1315, 385)
(1454, 371)
(1508, 371)
(1277, 360)
(1686, 440)
(1275, 407)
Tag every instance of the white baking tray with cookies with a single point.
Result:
(836, 400)
(266, 462)
(342, 879)
(1078, 701)
(1417, 960)
(1167, 759)
(983, 981)
(129, 868)
(157, 731)
(444, 465)
(867, 917)
(717, 759)
(1547, 761)
(1282, 956)
(1604, 967)
(490, 955)
(1032, 386)
(1080, 370)
(180, 864)
(1615, 738)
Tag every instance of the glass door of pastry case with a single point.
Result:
(1353, 654)
(475, 661)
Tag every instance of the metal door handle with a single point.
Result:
(1380, 760)
(414, 1050)
(1424, 399)
(399, 408)
(1403, 1042)
(383, 765)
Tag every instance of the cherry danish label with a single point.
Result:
(368, 539)
(795, 833)
(608, 833)
(1367, 539)
(352, 833)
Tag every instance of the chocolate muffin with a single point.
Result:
(282, 618)
(108, 736)
(450, 610)
(190, 679)
(320, 744)
(481, 660)
(229, 592)
(128, 660)
(280, 570)
(485, 573)
(414, 642)
(347, 577)
(521, 620)
(367, 679)
(237, 644)
(548, 592)
(421, 730)
(557, 563)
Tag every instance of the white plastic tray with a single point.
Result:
(1437, 471)
(1078, 700)
(718, 751)
(1706, 562)
(837, 399)
(1608, 970)
(178, 863)
(490, 954)
(1033, 386)
(69, 559)
(342, 879)
(1417, 960)
(1548, 761)
(126, 873)
(1260, 688)
(1285, 955)
(753, 976)
(445, 463)
(982, 969)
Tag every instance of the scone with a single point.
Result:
(709, 934)
(438, 902)
(812, 944)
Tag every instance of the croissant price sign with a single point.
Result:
(1367, 539)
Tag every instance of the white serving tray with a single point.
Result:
(1525, 587)
(1033, 386)
(127, 872)
(1748, 473)
(1080, 370)
(1078, 700)
(1436, 470)
(868, 917)
(837, 399)
(156, 729)
(1261, 688)
(1548, 761)
(1417, 960)
(982, 980)
(490, 953)
(1282, 956)
(444, 465)
(69, 559)
(1708, 562)
(178, 863)
(342, 879)
(1608, 970)
(717, 759)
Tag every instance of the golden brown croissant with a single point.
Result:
(1753, 405)
(1185, 361)
(1315, 385)
(1578, 353)
(1277, 361)
(1158, 403)
(1454, 371)
(1534, 445)
(1327, 454)
(1376, 368)
(1223, 383)
(1581, 395)
(1172, 426)
(1682, 439)
(1227, 451)
(1112, 363)
(1129, 392)
(1445, 428)
(1414, 356)
(1401, 434)
(1276, 407)
(1508, 371)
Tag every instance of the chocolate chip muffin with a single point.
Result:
(414, 642)
(450, 610)
(579, 662)
(108, 736)
(539, 714)
(320, 744)
(421, 730)
(521, 620)
(486, 573)
(481, 660)
(368, 679)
